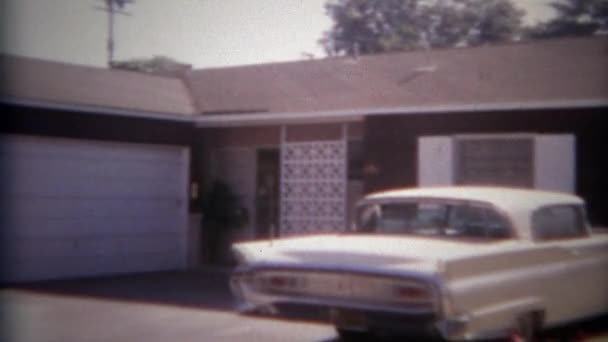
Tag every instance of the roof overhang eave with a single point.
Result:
(93, 109)
(356, 115)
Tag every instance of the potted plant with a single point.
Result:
(222, 214)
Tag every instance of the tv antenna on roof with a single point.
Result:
(113, 7)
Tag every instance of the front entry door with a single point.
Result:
(267, 192)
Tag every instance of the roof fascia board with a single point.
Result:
(261, 119)
(354, 115)
(96, 110)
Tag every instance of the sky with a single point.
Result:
(204, 33)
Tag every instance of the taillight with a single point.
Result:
(281, 282)
(413, 293)
(278, 282)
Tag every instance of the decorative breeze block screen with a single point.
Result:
(313, 187)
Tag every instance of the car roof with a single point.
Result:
(508, 199)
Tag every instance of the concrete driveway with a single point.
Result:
(159, 307)
(169, 306)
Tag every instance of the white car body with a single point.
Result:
(459, 288)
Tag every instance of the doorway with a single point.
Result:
(267, 192)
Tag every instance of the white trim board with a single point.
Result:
(356, 115)
(334, 116)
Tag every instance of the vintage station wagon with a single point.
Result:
(459, 263)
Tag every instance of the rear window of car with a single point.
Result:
(447, 220)
(558, 222)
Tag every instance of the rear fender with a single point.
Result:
(500, 319)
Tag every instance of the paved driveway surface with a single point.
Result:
(171, 306)
(155, 307)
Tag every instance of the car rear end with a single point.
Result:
(400, 303)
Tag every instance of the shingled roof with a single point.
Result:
(554, 73)
(563, 70)
(40, 81)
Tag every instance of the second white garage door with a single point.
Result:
(74, 208)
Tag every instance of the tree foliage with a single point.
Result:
(373, 26)
(574, 18)
(363, 26)
(156, 65)
(494, 21)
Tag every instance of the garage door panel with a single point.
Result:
(22, 250)
(50, 167)
(27, 227)
(87, 188)
(48, 217)
(60, 208)
(30, 146)
(81, 208)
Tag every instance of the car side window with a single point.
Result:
(433, 218)
(558, 222)
(477, 221)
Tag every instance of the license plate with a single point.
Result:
(341, 286)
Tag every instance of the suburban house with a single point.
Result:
(103, 170)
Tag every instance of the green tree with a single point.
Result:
(446, 24)
(493, 21)
(574, 18)
(371, 26)
(374, 26)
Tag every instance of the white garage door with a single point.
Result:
(74, 208)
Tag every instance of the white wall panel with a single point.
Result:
(79, 208)
(554, 161)
(435, 161)
(550, 164)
